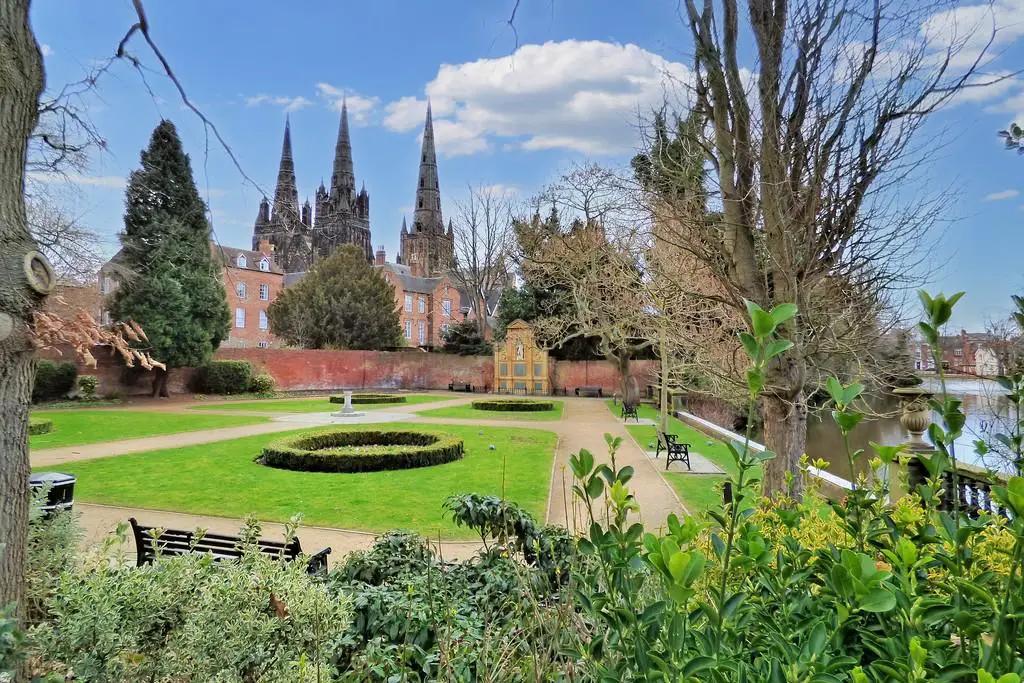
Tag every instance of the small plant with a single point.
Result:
(87, 386)
(53, 380)
(224, 377)
(39, 425)
(262, 385)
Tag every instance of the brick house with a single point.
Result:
(960, 354)
(426, 305)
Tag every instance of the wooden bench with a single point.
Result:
(629, 411)
(222, 547)
(460, 386)
(592, 392)
(674, 450)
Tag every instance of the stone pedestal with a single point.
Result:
(347, 410)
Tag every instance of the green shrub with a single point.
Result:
(224, 377)
(52, 545)
(53, 380)
(361, 451)
(87, 385)
(262, 385)
(369, 399)
(189, 618)
(514, 405)
(39, 425)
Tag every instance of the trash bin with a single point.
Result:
(62, 489)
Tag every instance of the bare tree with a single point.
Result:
(807, 157)
(482, 230)
(74, 250)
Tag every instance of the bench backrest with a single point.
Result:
(179, 542)
(667, 439)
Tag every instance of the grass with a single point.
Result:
(468, 412)
(80, 427)
(697, 491)
(222, 479)
(314, 405)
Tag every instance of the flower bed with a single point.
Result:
(367, 399)
(361, 451)
(514, 405)
(39, 425)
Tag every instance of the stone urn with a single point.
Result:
(915, 415)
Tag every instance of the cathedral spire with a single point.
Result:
(343, 179)
(286, 194)
(427, 217)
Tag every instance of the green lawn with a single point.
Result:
(222, 479)
(468, 412)
(314, 405)
(80, 427)
(697, 491)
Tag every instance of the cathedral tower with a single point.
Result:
(284, 227)
(427, 247)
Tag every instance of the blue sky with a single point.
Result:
(504, 115)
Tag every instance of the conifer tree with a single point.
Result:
(342, 302)
(173, 288)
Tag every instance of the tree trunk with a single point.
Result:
(663, 392)
(785, 434)
(160, 383)
(21, 82)
(622, 365)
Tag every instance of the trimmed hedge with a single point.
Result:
(361, 451)
(262, 384)
(514, 405)
(224, 377)
(39, 425)
(367, 399)
(53, 380)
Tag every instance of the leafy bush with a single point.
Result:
(192, 619)
(361, 451)
(52, 545)
(514, 405)
(53, 380)
(224, 377)
(262, 384)
(87, 385)
(369, 399)
(39, 425)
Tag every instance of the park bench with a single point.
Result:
(674, 450)
(460, 386)
(592, 392)
(629, 411)
(221, 546)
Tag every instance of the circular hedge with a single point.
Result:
(514, 405)
(39, 425)
(361, 451)
(367, 399)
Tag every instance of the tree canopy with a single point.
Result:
(464, 339)
(342, 302)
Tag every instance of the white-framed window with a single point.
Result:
(108, 284)
(263, 344)
(408, 329)
(446, 307)
(241, 261)
(408, 303)
(264, 292)
(958, 352)
(239, 317)
(264, 323)
(240, 290)
(423, 332)
(105, 317)
(422, 304)
(265, 265)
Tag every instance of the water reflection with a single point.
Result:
(983, 401)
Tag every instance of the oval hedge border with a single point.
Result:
(361, 451)
(39, 425)
(367, 399)
(514, 405)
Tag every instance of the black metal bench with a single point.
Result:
(674, 450)
(460, 386)
(221, 546)
(629, 411)
(592, 392)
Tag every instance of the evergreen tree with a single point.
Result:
(342, 302)
(174, 288)
(464, 339)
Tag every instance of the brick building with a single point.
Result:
(426, 305)
(67, 300)
(967, 353)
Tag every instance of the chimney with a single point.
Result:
(380, 256)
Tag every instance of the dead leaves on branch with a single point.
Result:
(82, 333)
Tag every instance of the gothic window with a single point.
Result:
(241, 261)
(264, 292)
(265, 265)
(421, 182)
(240, 290)
(408, 304)
(264, 323)
(239, 317)
(420, 204)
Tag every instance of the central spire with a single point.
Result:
(427, 215)
(286, 194)
(343, 179)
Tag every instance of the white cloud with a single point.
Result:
(45, 49)
(360, 107)
(109, 181)
(1000, 196)
(501, 190)
(583, 96)
(290, 104)
(968, 30)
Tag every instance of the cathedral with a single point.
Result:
(300, 237)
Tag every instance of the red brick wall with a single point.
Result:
(115, 379)
(250, 334)
(599, 373)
